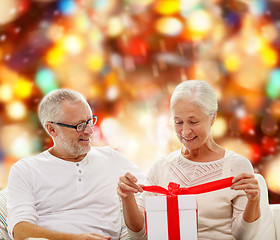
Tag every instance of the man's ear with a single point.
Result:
(213, 118)
(51, 130)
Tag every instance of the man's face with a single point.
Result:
(68, 140)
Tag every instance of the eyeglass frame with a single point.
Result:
(76, 126)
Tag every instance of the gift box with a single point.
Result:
(157, 218)
(174, 216)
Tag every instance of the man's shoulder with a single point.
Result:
(106, 153)
(37, 157)
(105, 150)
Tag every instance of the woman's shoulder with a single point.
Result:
(238, 162)
(236, 156)
(164, 161)
(168, 158)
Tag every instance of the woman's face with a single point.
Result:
(192, 125)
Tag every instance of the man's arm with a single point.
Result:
(23, 230)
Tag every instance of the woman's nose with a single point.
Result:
(186, 130)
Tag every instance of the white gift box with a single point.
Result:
(157, 221)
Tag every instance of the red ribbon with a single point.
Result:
(172, 200)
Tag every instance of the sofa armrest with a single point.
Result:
(275, 208)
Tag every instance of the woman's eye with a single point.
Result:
(194, 122)
(178, 123)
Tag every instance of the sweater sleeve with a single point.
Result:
(242, 230)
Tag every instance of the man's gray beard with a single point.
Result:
(72, 148)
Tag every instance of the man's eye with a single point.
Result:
(193, 122)
(81, 125)
(178, 122)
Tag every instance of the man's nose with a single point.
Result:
(89, 129)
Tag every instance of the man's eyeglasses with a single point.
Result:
(81, 126)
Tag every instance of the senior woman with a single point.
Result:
(230, 213)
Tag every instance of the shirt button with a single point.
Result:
(80, 179)
(77, 164)
(80, 171)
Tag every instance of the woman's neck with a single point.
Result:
(204, 154)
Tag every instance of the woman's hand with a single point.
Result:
(249, 184)
(128, 185)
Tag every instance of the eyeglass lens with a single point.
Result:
(82, 126)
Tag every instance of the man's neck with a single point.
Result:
(69, 158)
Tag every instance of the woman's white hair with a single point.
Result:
(198, 91)
(50, 106)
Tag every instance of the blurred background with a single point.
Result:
(126, 57)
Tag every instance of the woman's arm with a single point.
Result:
(248, 183)
(133, 217)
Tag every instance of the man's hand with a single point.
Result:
(25, 230)
(93, 236)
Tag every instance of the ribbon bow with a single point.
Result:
(172, 200)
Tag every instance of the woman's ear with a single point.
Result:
(50, 129)
(213, 118)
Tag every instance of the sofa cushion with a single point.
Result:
(267, 229)
(3, 215)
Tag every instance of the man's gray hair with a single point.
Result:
(198, 91)
(50, 106)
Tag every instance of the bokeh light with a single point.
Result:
(8, 11)
(23, 88)
(45, 79)
(167, 7)
(73, 44)
(16, 110)
(6, 92)
(219, 127)
(67, 7)
(199, 24)
(273, 86)
(169, 26)
(115, 26)
(55, 56)
(272, 175)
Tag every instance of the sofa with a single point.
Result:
(270, 212)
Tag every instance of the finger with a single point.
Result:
(131, 177)
(128, 187)
(121, 193)
(130, 180)
(133, 181)
(246, 181)
(242, 176)
(244, 186)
